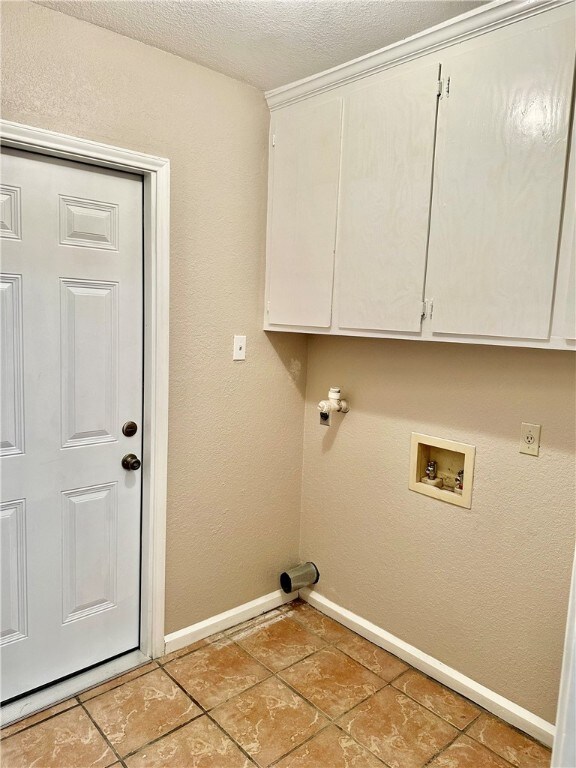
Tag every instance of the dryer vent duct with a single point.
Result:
(302, 576)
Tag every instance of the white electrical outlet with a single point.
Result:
(530, 439)
(239, 348)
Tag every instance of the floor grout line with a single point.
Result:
(101, 732)
(362, 745)
(387, 682)
(325, 714)
(443, 749)
(476, 741)
(272, 672)
(335, 644)
(158, 738)
(440, 717)
(114, 687)
(304, 699)
(163, 735)
(470, 724)
(187, 693)
(225, 701)
(232, 739)
(306, 741)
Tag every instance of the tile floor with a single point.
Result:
(291, 689)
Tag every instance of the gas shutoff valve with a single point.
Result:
(332, 405)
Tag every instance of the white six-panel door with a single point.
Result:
(71, 343)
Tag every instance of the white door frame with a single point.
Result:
(156, 173)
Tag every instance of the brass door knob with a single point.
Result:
(131, 462)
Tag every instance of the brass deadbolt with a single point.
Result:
(130, 428)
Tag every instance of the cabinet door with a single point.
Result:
(570, 312)
(387, 160)
(568, 250)
(302, 224)
(500, 164)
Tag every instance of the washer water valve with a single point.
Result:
(332, 405)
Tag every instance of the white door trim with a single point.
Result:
(156, 173)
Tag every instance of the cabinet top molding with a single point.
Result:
(477, 22)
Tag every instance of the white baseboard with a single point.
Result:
(183, 637)
(504, 708)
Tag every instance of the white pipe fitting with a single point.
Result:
(334, 403)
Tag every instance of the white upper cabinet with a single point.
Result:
(499, 181)
(305, 162)
(387, 161)
(426, 191)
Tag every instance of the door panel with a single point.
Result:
(90, 530)
(12, 423)
(72, 312)
(88, 223)
(502, 139)
(89, 347)
(387, 157)
(10, 219)
(13, 567)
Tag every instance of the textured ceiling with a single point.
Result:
(266, 43)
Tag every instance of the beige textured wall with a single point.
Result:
(235, 456)
(484, 590)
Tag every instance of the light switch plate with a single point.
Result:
(239, 348)
(530, 439)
